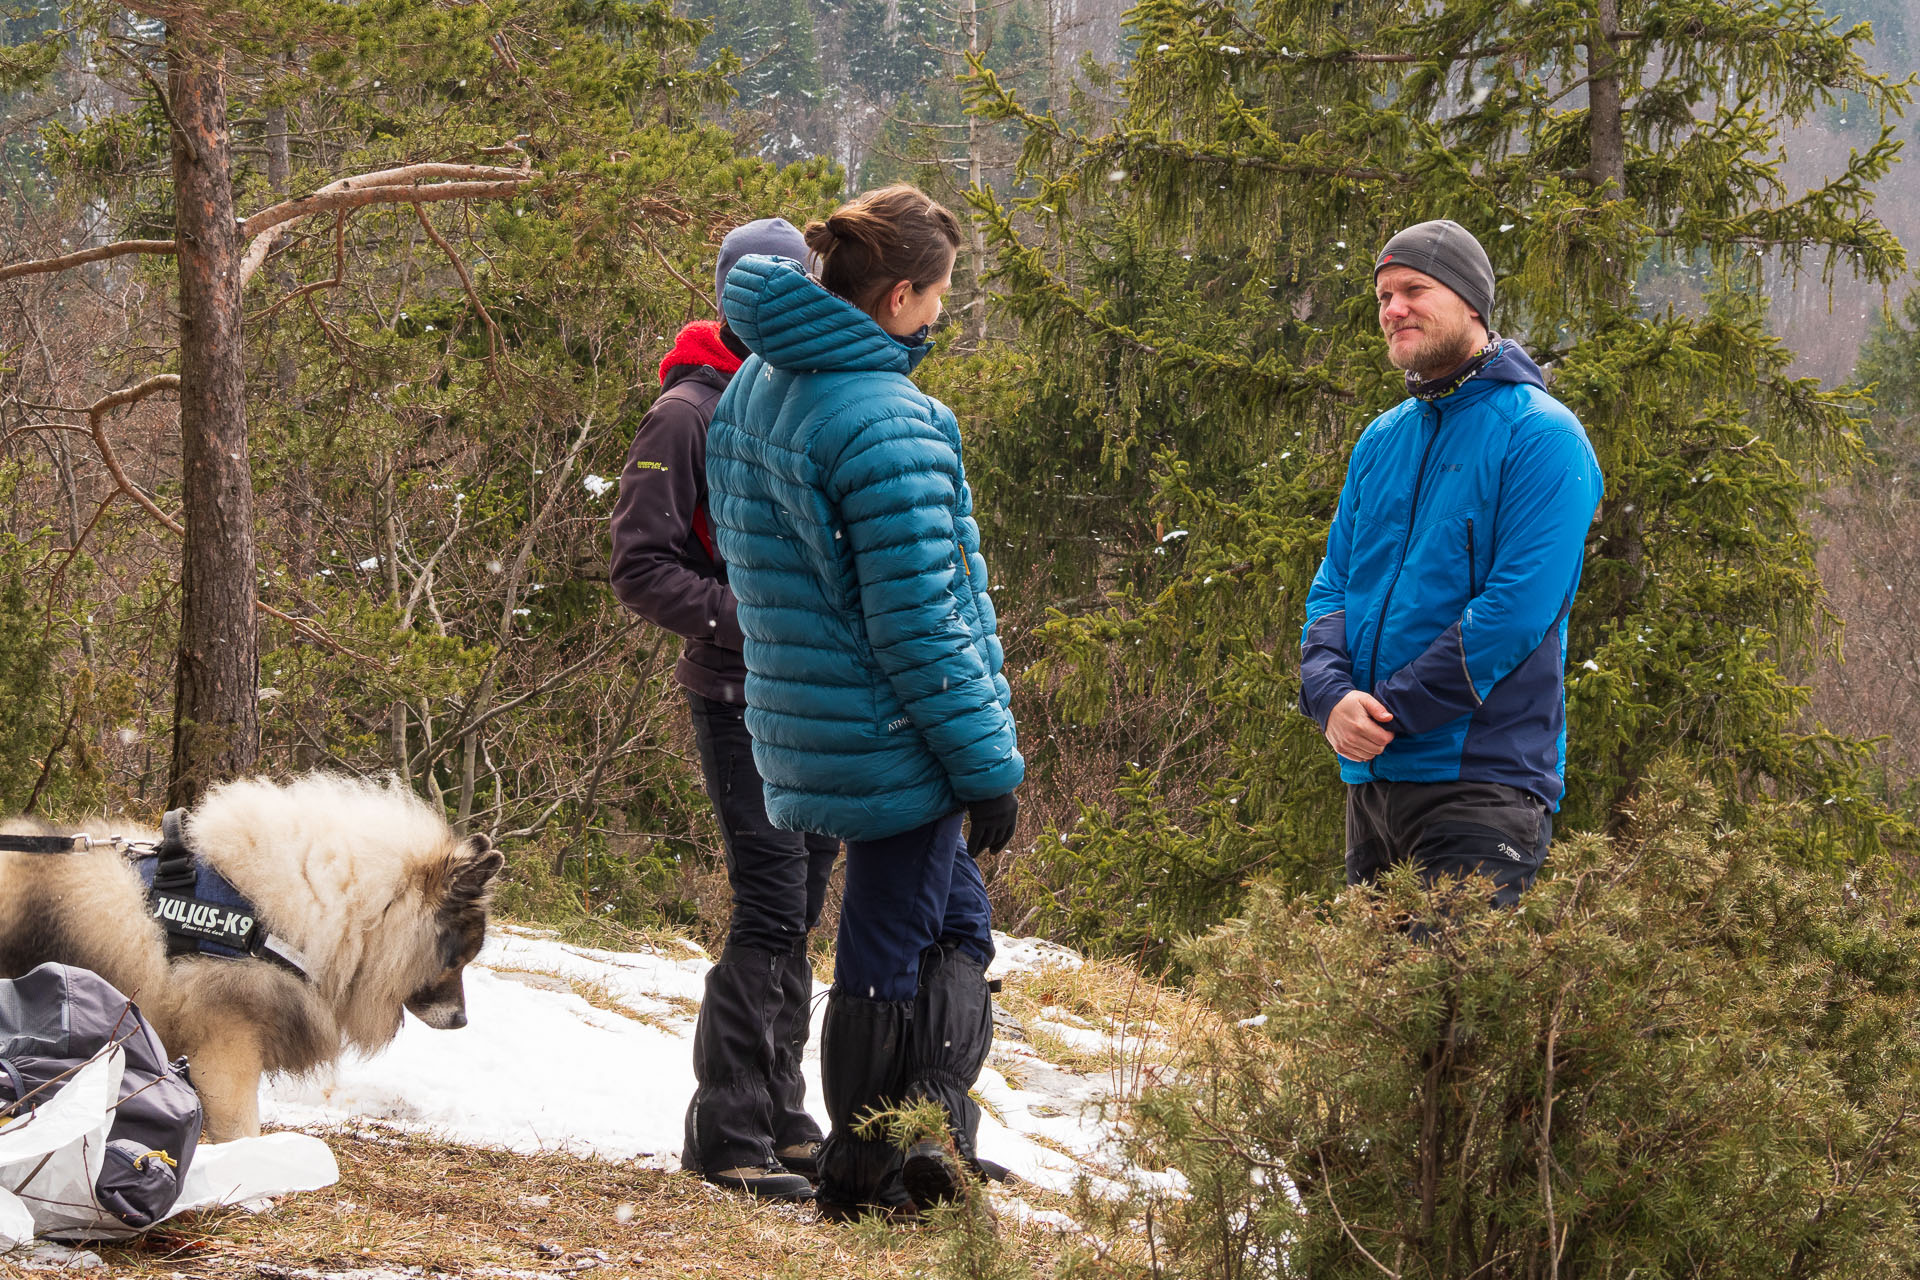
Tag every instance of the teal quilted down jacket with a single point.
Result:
(841, 509)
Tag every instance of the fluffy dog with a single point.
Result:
(384, 902)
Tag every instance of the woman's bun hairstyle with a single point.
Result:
(870, 244)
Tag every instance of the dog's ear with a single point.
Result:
(475, 865)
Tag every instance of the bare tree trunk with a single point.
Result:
(977, 305)
(286, 365)
(1607, 171)
(216, 726)
(390, 544)
(1607, 162)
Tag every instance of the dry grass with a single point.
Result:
(1142, 1020)
(600, 996)
(410, 1207)
(602, 933)
(409, 1202)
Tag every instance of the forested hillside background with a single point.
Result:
(324, 329)
(438, 393)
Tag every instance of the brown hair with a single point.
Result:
(870, 244)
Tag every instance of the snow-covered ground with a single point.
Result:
(540, 1066)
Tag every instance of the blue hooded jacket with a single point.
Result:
(841, 509)
(1451, 566)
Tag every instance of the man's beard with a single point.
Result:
(1436, 353)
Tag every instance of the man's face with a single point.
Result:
(1430, 329)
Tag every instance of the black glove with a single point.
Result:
(990, 824)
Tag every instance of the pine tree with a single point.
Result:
(433, 398)
(1192, 289)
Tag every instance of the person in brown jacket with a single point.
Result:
(747, 1125)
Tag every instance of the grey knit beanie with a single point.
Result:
(771, 237)
(1448, 252)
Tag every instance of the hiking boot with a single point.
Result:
(931, 1175)
(992, 1170)
(802, 1158)
(769, 1183)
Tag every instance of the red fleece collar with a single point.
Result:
(699, 343)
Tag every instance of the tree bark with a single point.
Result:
(976, 178)
(286, 365)
(216, 727)
(1607, 158)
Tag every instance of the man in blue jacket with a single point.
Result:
(1434, 653)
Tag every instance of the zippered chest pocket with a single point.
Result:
(1473, 564)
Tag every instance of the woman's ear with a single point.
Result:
(897, 297)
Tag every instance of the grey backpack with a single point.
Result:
(58, 1018)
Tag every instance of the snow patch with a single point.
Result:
(541, 1067)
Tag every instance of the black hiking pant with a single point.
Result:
(749, 1098)
(1455, 829)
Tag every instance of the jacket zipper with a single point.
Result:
(1472, 564)
(1406, 544)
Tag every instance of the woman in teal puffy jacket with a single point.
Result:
(874, 693)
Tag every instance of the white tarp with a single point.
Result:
(51, 1158)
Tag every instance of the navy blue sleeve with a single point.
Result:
(1326, 669)
(1547, 498)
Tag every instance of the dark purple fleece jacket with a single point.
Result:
(664, 567)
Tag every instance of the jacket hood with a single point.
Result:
(1513, 365)
(795, 324)
(699, 344)
(1507, 364)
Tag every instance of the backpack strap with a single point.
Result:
(15, 1083)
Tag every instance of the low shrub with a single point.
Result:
(1681, 1055)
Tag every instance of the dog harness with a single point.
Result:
(200, 909)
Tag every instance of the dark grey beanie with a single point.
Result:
(1448, 252)
(771, 237)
